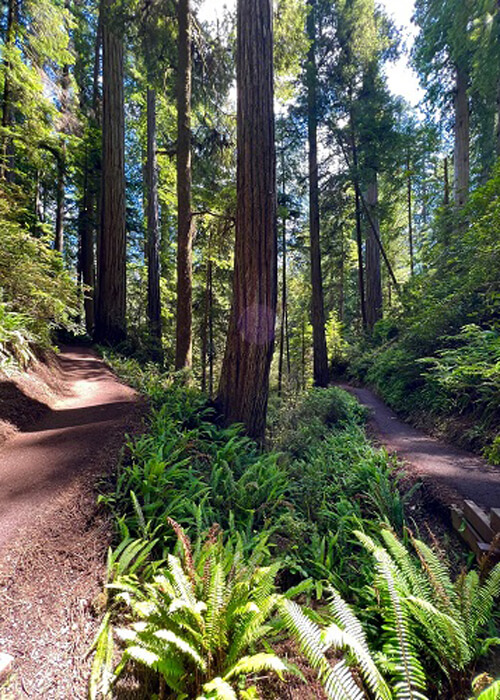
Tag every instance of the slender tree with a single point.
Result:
(185, 221)
(111, 289)
(153, 241)
(373, 272)
(320, 359)
(6, 144)
(244, 384)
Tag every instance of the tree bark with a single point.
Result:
(373, 272)
(153, 242)
(6, 163)
(446, 199)
(59, 228)
(410, 218)
(89, 211)
(283, 310)
(111, 292)
(244, 384)
(461, 164)
(320, 359)
(185, 222)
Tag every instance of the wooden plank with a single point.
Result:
(479, 520)
(467, 533)
(495, 520)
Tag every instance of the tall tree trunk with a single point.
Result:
(410, 218)
(341, 280)
(462, 164)
(153, 242)
(87, 267)
(446, 199)
(90, 211)
(6, 158)
(283, 309)
(111, 292)
(357, 211)
(373, 272)
(59, 227)
(244, 384)
(185, 222)
(320, 362)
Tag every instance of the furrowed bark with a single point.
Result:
(185, 222)
(244, 384)
(153, 243)
(320, 359)
(110, 310)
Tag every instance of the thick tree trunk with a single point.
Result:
(185, 222)
(244, 384)
(110, 310)
(373, 272)
(461, 164)
(320, 362)
(153, 242)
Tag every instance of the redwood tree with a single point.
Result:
(184, 339)
(111, 252)
(153, 256)
(244, 384)
(320, 368)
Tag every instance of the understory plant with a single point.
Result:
(200, 620)
(451, 621)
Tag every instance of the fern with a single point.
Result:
(198, 618)
(337, 680)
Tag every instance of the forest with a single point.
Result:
(272, 251)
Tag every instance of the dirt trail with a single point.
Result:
(453, 473)
(53, 537)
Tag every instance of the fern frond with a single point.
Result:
(346, 619)
(409, 671)
(343, 640)
(442, 630)
(216, 634)
(181, 645)
(179, 580)
(417, 582)
(439, 577)
(255, 664)
(486, 596)
(218, 689)
(337, 680)
(102, 666)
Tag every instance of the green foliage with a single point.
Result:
(436, 357)
(450, 622)
(15, 339)
(199, 620)
(304, 500)
(345, 633)
(37, 293)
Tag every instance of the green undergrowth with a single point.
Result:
(226, 548)
(435, 357)
(305, 497)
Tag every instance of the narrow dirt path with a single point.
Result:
(53, 537)
(454, 474)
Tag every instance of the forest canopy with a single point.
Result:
(122, 197)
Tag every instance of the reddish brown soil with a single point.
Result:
(53, 537)
(450, 474)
